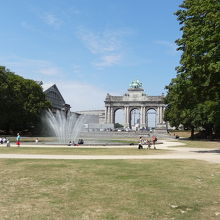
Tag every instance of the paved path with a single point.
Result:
(210, 155)
(161, 144)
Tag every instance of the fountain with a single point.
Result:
(65, 125)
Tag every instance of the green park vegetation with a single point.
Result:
(23, 100)
(109, 189)
(193, 97)
(123, 189)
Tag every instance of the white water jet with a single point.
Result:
(65, 125)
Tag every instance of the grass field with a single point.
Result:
(79, 151)
(200, 144)
(181, 133)
(108, 189)
(111, 189)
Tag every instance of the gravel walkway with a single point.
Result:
(210, 155)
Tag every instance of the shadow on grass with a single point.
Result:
(197, 139)
(217, 151)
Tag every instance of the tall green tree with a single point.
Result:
(198, 102)
(22, 101)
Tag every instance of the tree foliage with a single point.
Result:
(22, 101)
(118, 125)
(193, 97)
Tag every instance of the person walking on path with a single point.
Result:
(18, 140)
(140, 144)
(148, 144)
(154, 139)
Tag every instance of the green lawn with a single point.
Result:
(79, 151)
(109, 189)
(200, 144)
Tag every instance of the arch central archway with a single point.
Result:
(134, 122)
(151, 118)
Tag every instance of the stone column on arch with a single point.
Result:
(163, 110)
(126, 117)
(161, 115)
(106, 114)
(142, 117)
(146, 117)
(111, 115)
(157, 116)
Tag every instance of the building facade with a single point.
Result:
(135, 98)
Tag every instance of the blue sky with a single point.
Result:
(91, 47)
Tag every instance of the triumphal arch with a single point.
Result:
(135, 98)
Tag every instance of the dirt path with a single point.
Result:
(210, 155)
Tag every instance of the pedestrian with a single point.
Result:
(36, 141)
(154, 139)
(81, 141)
(140, 146)
(18, 140)
(8, 143)
(148, 144)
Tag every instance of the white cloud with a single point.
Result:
(108, 60)
(106, 46)
(31, 67)
(79, 95)
(52, 20)
(99, 43)
(171, 47)
(50, 71)
(82, 96)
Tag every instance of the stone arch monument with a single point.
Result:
(135, 98)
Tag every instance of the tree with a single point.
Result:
(22, 101)
(198, 76)
(179, 102)
(118, 125)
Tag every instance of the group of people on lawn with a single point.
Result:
(4, 140)
(147, 142)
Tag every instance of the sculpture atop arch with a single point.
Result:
(135, 84)
(135, 98)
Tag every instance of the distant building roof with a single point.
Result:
(54, 96)
(46, 86)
